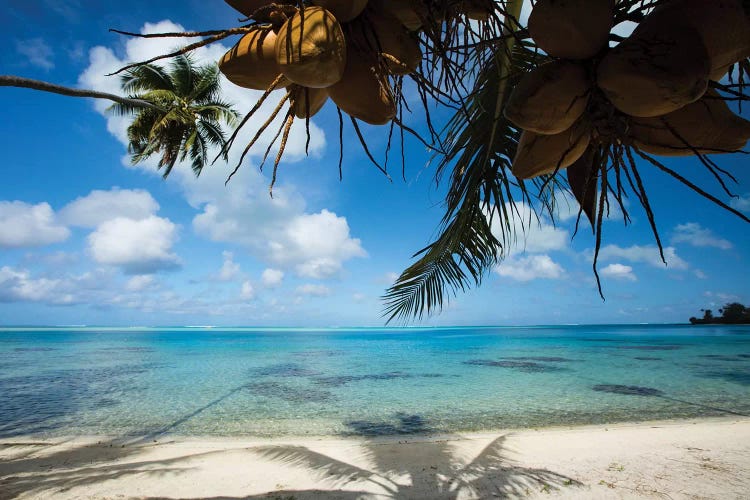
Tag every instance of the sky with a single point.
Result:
(88, 238)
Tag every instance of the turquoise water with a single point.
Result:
(274, 382)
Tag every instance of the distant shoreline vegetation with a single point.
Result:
(733, 313)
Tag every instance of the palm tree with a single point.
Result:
(187, 117)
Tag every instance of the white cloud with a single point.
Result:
(138, 247)
(279, 230)
(19, 286)
(533, 235)
(25, 225)
(698, 236)
(700, 274)
(140, 283)
(648, 254)
(741, 203)
(100, 206)
(229, 268)
(618, 271)
(359, 297)
(530, 268)
(272, 278)
(37, 52)
(247, 292)
(313, 290)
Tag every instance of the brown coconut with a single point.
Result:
(252, 62)
(382, 32)
(583, 177)
(409, 12)
(549, 99)
(306, 101)
(344, 10)
(572, 29)
(708, 125)
(655, 72)
(364, 92)
(539, 154)
(478, 10)
(723, 26)
(311, 48)
(248, 7)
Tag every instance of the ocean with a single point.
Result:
(156, 382)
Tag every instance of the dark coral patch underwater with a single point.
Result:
(629, 390)
(524, 366)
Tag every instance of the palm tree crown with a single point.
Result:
(188, 115)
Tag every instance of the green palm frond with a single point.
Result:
(481, 188)
(182, 72)
(144, 78)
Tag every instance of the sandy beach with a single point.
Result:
(678, 459)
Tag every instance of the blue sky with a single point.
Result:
(86, 238)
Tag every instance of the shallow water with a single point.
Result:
(274, 382)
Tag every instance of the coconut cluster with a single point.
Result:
(345, 50)
(650, 91)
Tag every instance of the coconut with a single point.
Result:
(478, 10)
(539, 154)
(409, 12)
(655, 72)
(248, 7)
(582, 179)
(252, 62)
(364, 92)
(708, 126)
(344, 10)
(306, 101)
(723, 26)
(311, 48)
(572, 29)
(382, 32)
(549, 99)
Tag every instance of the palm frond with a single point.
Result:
(481, 143)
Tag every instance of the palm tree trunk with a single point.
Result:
(28, 83)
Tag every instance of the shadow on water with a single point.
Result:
(432, 469)
(52, 399)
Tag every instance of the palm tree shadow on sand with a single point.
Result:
(382, 468)
(433, 470)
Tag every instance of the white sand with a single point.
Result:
(689, 459)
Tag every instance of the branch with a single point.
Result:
(28, 83)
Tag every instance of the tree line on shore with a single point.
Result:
(733, 313)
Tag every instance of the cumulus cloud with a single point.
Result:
(694, 234)
(37, 52)
(272, 278)
(313, 290)
(136, 246)
(140, 283)
(247, 292)
(25, 225)
(229, 268)
(618, 271)
(279, 230)
(100, 206)
(533, 235)
(648, 254)
(530, 268)
(19, 286)
(741, 203)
